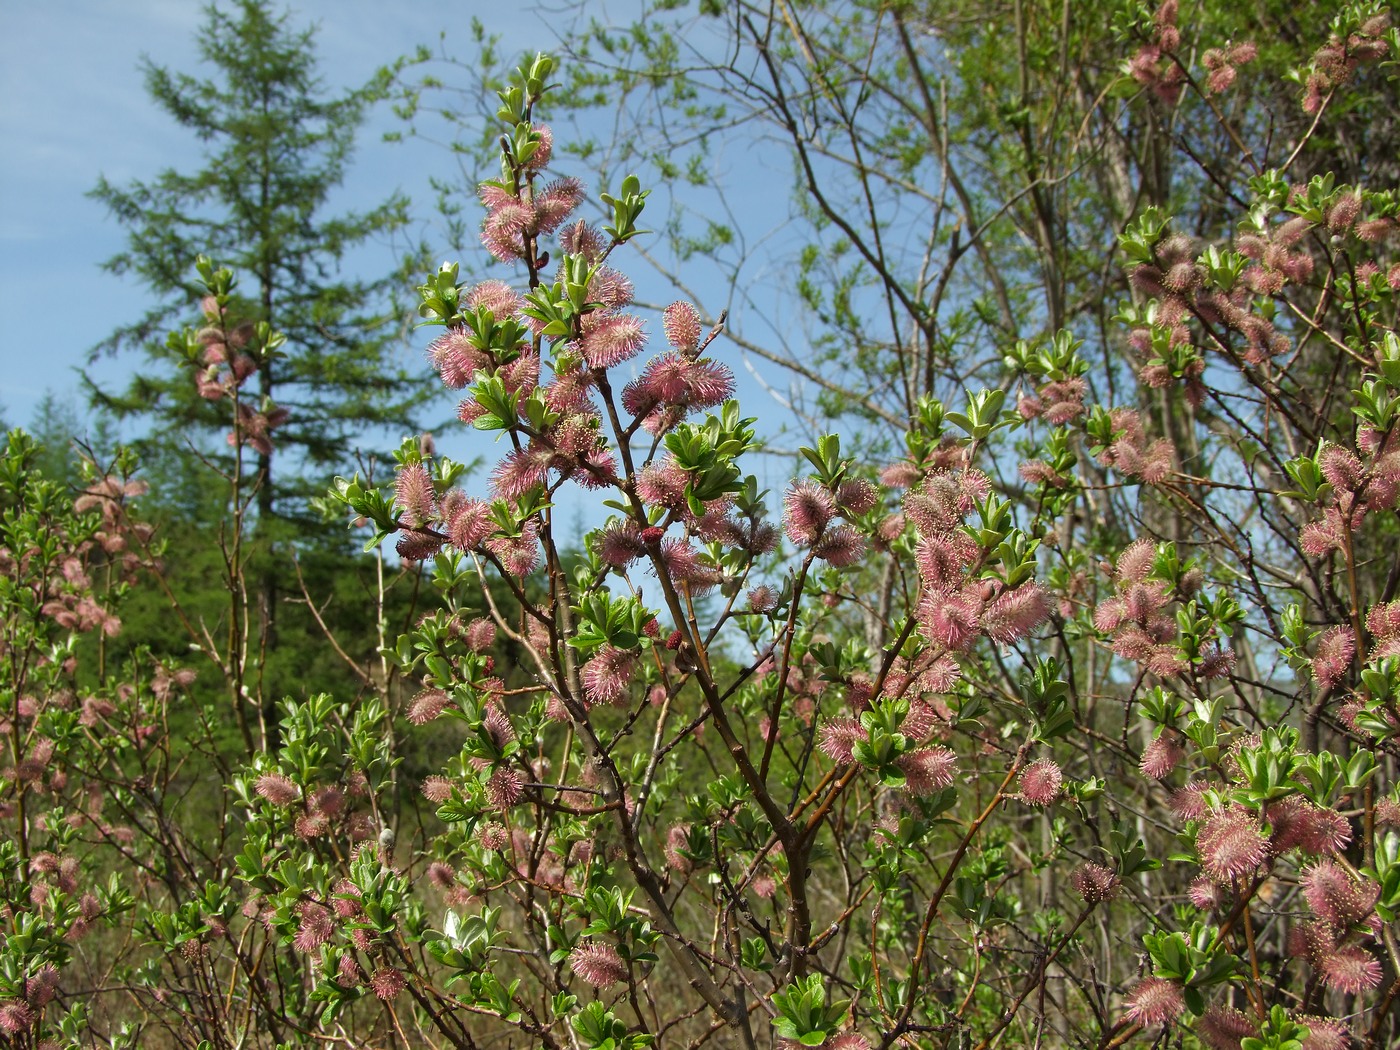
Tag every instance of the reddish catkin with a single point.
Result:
(681, 324)
(455, 359)
(928, 769)
(387, 982)
(277, 789)
(838, 738)
(840, 546)
(1333, 657)
(1014, 614)
(1155, 1001)
(610, 339)
(1231, 844)
(1161, 756)
(1335, 897)
(608, 675)
(1040, 782)
(598, 964)
(1222, 1027)
(1095, 883)
(808, 507)
(1350, 969)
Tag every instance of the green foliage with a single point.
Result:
(1074, 675)
(1280, 1032)
(804, 1015)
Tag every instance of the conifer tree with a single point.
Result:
(277, 145)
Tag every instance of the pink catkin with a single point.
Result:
(838, 738)
(348, 972)
(437, 789)
(917, 724)
(1325, 1033)
(808, 507)
(1135, 562)
(497, 296)
(417, 546)
(1155, 1001)
(1231, 844)
(522, 470)
(1222, 1027)
(1161, 756)
(607, 676)
(663, 484)
(315, 928)
(492, 835)
(612, 339)
(1333, 657)
(598, 964)
(518, 554)
(952, 620)
(677, 838)
(684, 563)
(1014, 614)
(277, 789)
(455, 359)
(942, 560)
(555, 202)
(611, 288)
(15, 1016)
(544, 148)
(935, 507)
(927, 769)
(1383, 620)
(621, 544)
(1335, 897)
(763, 599)
(1351, 969)
(480, 634)
(1038, 472)
(1340, 467)
(1319, 538)
(40, 989)
(440, 875)
(504, 787)
(470, 524)
(1040, 782)
(857, 496)
(497, 725)
(673, 380)
(1109, 615)
(681, 323)
(1189, 802)
(1320, 832)
(427, 705)
(1207, 894)
(903, 475)
(840, 546)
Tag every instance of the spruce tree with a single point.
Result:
(277, 145)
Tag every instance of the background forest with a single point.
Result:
(958, 612)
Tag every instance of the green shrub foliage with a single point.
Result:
(926, 752)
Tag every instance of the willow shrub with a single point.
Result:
(925, 756)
